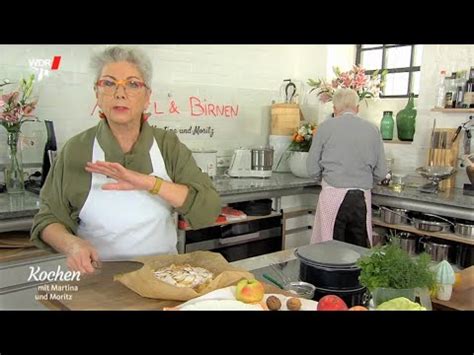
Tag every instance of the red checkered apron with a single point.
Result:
(329, 201)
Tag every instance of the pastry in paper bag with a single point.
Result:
(146, 283)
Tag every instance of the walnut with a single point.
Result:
(273, 303)
(293, 304)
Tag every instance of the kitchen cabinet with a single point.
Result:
(240, 239)
(17, 290)
(297, 226)
(21, 299)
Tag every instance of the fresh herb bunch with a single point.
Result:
(391, 267)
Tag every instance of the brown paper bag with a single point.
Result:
(144, 282)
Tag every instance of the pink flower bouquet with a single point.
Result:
(366, 86)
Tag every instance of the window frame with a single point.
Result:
(410, 70)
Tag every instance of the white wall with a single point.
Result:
(248, 75)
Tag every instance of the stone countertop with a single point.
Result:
(451, 197)
(258, 262)
(18, 205)
(27, 204)
(227, 186)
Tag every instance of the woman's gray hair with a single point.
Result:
(123, 54)
(345, 99)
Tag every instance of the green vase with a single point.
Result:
(386, 125)
(406, 120)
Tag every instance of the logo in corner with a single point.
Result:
(44, 66)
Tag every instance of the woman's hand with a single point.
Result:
(126, 179)
(81, 256)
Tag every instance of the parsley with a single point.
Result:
(391, 267)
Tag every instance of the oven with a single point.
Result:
(239, 240)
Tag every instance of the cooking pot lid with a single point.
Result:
(328, 254)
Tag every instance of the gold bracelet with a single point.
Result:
(156, 188)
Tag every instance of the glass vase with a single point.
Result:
(386, 125)
(14, 178)
(406, 121)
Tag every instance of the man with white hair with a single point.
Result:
(347, 154)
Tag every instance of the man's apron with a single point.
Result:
(329, 201)
(126, 224)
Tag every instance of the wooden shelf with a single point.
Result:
(397, 142)
(406, 228)
(248, 219)
(452, 110)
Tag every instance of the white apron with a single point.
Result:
(122, 225)
(331, 198)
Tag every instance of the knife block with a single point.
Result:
(444, 153)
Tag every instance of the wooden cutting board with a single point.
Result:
(444, 152)
(15, 240)
(100, 292)
(17, 254)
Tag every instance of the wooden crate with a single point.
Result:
(444, 153)
(286, 119)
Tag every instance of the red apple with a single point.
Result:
(249, 291)
(331, 303)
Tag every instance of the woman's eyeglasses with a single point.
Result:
(132, 87)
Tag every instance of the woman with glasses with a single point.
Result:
(111, 192)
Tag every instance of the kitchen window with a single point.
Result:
(402, 62)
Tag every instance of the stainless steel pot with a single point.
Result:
(464, 229)
(464, 255)
(438, 251)
(378, 239)
(262, 158)
(394, 215)
(406, 241)
(431, 223)
(375, 211)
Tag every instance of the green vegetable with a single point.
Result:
(400, 304)
(391, 267)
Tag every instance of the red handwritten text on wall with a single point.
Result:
(197, 108)
(200, 108)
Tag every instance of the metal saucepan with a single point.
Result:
(378, 239)
(438, 250)
(431, 223)
(406, 241)
(464, 228)
(464, 255)
(394, 215)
